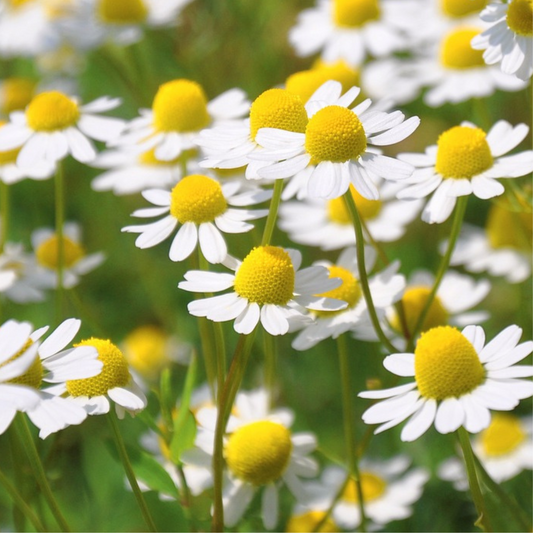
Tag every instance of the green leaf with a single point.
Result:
(184, 434)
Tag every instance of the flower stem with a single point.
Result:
(121, 447)
(270, 366)
(60, 221)
(186, 498)
(483, 519)
(272, 213)
(4, 209)
(318, 526)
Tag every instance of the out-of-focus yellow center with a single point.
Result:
(335, 134)
(372, 487)
(122, 11)
(48, 252)
(149, 158)
(197, 198)
(259, 452)
(115, 372)
(34, 375)
(446, 364)
(368, 209)
(355, 13)
(349, 291)
(181, 106)
(509, 229)
(9, 156)
(52, 111)
(19, 3)
(145, 349)
(503, 436)
(520, 17)
(56, 9)
(277, 108)
(266, 276)
(305, 522)
(456, 52)
(463, 152)
(461, 8)
(16, 94)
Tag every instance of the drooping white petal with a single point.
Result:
(247, 319)
(420, 422)
(269, 506)
(450, 415)
(184, 242)
(212, 243)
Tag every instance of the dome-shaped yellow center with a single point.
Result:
(463, 152)
(266, 276)
(456, 52)
(280, 109)
(197, 198)
(16, 94)
(520, 17)
(509, 229)
(503, 436)
(48, 252)
(259, 452)
(349, 290)
(122, 11)
(33, 375)
(372, 487)
(180, 105)
(145, 349)
(446, 364)
(355, 13)
(335, 134)
(115, 372)
(9, 156)
(368, 209)
(305, 522)
(52, 111)
(461, 8)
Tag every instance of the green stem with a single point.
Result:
(26, 438)
(186, 498)
(483, 519)
(4, 208)
(121, 447)
(272, 213)
(270, 366)
(17, 457)
(363, 278)
(60, 221)
(320, 524)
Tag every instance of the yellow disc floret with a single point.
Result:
(446, 364)
(122, 11)
(305, 522)
(181, 106)
(463, 152)
(372, 488)
(197, 199)
(266, 276)
(368, 209)
(16, 94)
(259, 452)
(48, 252)
(19, 3)
(461, 8)
(520, 17)
(456, 52)
(146, 349)
(509, 229)
(52, 111)
(149, 158)
(335, 134)
(355, 13)
(33, 375)
(115, 372)
(503, 436)
(349, 291)
(9, 156)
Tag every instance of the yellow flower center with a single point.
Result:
(335, 134)
(456, 52)
(115, 372)
(19, 3)
(122, 11)
(355, 13)
(197, 199)
(9, 156)
(463, 152)
(56, 9)
(461, 8)
(145, 349)
(149, 158)
(48, 252)
(16, 94)
(503, 436)
(372, 488)
(305, 522)
(509, 229)
(266, 276)
(368, 209)
(180, 105)
(34, 375)
(52, 111)
(446, 364)
(349, 290)
(277, 108)
(259, 452)
(520, 17)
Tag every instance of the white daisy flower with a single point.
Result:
(458, 379)
(509, 39)
(268, 287)
(505, 449)
(54, 125)
(75, 261)
(337, 145)
(465, 161)
(386, 288)
(179, 111)
(204, 208)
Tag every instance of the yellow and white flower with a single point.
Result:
(458, 380)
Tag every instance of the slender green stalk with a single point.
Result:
(60, 221)
(18, 458)
(269, 343)
(363, 278)
(272, 213)
(4, 209)
(483, 518)
(26, 439)
(186, 498)
(318, 526)
(121, 447)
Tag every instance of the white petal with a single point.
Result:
(273, 320)
(401, 364)
(212, 243)
(476, 336)
(184, 242)
(248, 319)
(387, 393)
(269, 507)
(80, 147)
(450, 415)
(62, 335)
(420, 422)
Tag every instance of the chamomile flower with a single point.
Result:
(458, 380)
(465, 160)
(306, 518)
(386, 288)
(55, 125)
(204, 208)
(509, 39)
(76, 262)
(268, 287)
(337, 145)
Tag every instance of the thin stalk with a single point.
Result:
(318, 526)
(483, 518)
(270, 366)
(26, 438)
(60, 221)
(128, 469)
(186, 498)
(4, 209)
(17, 458)
(272, 213)
(363, 278)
